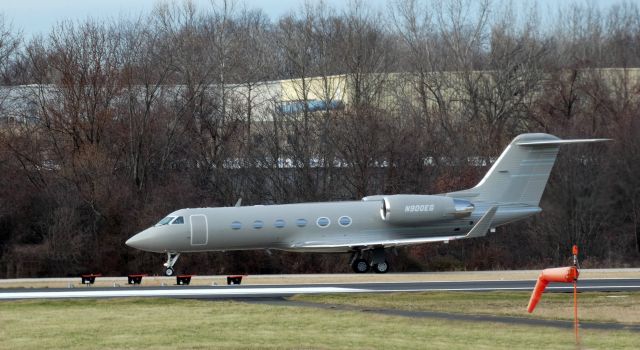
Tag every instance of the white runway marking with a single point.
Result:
(264, 291)
(173, 292)
(489, 289)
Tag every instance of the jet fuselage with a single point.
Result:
(293, 226)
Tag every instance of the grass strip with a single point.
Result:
(596, 307)
(195, 324)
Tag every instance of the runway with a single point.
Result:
(274, 291)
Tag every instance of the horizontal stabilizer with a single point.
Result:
(559, 142)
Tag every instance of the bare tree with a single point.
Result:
(9, 45)
(120, 122)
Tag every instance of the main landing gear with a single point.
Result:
(171, 260)
(377, 261)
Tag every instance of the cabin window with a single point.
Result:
(279, 223)
(165, 221)
(236, 225)
(258, 224)
(178, 220)
(301, 222)
(323, 221)
(344, 221)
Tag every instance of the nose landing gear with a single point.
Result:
(171, 260)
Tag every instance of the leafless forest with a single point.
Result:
(106, 126)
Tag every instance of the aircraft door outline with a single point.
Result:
(199, 229)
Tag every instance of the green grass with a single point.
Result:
(193, 324)
(597, 307)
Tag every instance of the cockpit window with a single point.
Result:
(178, 220)
(165, 221)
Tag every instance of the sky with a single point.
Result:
(34, 17)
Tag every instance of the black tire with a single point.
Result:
(169, 271)
(382, 267)
(360, 266)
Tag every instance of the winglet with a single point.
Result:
(482, 226)
(238, 203)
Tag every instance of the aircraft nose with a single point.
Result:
(142, 240)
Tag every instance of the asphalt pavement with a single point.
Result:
(276, 291)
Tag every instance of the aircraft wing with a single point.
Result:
(478, 230)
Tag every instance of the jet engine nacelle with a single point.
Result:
(407, 209)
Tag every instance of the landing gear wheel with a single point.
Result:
(382, 267)
(360, 266)
(171, 260)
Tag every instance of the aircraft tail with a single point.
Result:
(521, 172)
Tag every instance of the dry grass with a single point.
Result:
(190, 324)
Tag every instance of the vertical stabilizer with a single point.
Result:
(521, 172)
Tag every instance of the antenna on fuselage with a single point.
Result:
(238, 203)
